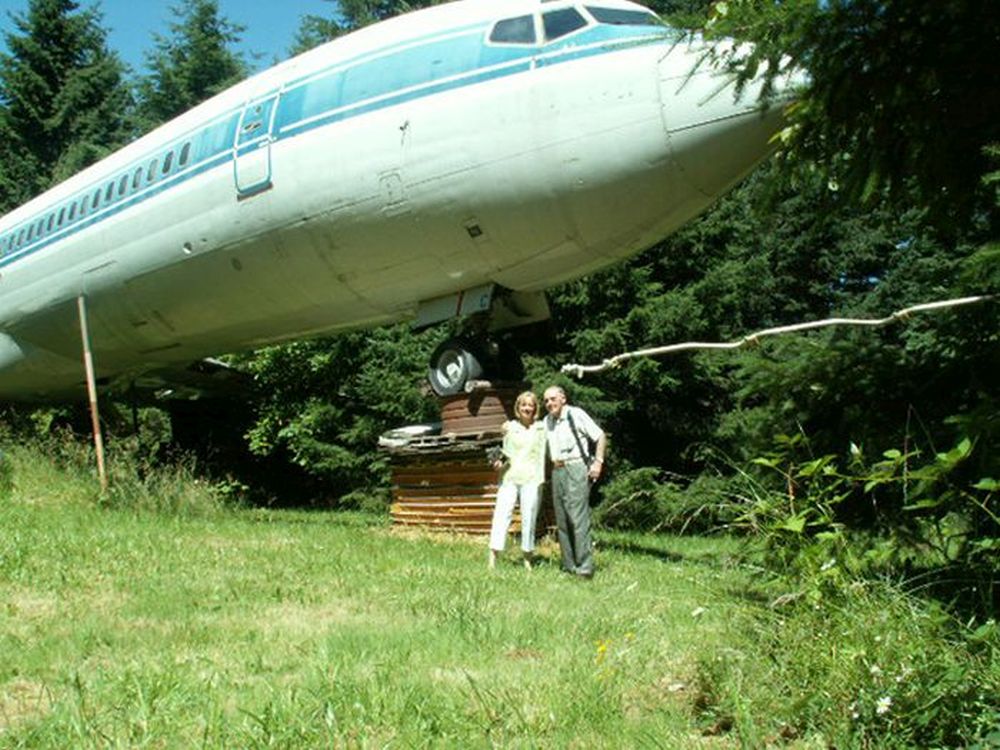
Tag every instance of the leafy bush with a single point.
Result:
(902, 514)
(647, 499)
(874, 668)
(324, 402)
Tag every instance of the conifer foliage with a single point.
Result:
(64, 102)
(193, 63)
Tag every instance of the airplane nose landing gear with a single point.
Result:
(480, 353)
(460, 360)
(453, 364)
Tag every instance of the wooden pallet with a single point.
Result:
(445, 482)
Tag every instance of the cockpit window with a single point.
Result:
(559, 23)
(623, 17)
(520, 30)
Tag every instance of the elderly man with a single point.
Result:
(570, 432)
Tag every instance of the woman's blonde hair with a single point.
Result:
(521, 398)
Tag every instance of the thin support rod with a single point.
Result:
(88, 365)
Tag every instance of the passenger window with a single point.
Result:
(52, 220)
(123, 185)
(72, 212)
(20, 238)
(137, 179)
(168, 160)
(96, 200)
(185, 153)
(109, 193)
(151, 172)
(559, 23)
(520, 30)
(62, 215)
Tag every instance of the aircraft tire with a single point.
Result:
(453, 364)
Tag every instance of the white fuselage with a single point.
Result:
(413, 159)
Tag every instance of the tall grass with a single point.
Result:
(157, 615)
(146, 624)
(877, 668)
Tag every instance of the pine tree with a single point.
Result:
(349, 16)
(192, 64)
(315, 30)
(901, 92)
(64, 102)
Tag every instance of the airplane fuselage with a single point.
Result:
(468, 144)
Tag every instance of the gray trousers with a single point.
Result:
(571, 498)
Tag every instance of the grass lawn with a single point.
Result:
(255, 628)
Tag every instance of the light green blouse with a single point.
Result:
(524, 447)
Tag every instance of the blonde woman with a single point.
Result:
(523, 467)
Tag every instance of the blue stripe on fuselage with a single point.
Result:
(367, 83)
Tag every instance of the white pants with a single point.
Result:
(507, 497)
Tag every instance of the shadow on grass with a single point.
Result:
(630, 547)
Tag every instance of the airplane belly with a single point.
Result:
(352, 248)
(29, 371)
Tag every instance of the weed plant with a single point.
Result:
(843, 652)
(875, 667)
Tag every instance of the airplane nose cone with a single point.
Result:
(717, 137)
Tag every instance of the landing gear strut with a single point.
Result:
(480, 353)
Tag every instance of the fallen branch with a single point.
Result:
(754, 338)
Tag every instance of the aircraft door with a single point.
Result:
(252, 147)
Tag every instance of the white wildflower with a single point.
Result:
(883, 705)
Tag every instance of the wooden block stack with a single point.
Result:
(445, 481)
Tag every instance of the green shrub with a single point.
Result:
(645, 499)
(875, 667)
(902, 514)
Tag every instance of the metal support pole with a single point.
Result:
(88, 364)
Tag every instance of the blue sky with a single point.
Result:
(270, 25)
